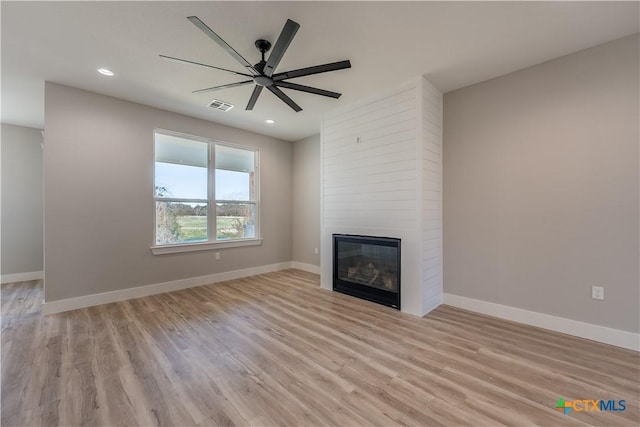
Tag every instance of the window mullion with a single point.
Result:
(178, 200)
(211, 170)
(238, 202)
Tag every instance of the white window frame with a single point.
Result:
(213, 242)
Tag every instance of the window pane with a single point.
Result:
(231, 185)
(180, 181)
(181, 222)
(235, 159)
(180, 167)
(235, 173)
(235, 220)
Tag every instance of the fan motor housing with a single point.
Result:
(263, 81)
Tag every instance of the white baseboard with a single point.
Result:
(590, 331)
(315, 269)
(22, 277)
(51, 307)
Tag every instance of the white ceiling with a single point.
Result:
(454, 44)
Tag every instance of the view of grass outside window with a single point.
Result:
(204, 191)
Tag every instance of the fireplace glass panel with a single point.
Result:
(369, 265)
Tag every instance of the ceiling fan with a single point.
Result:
(262, 74)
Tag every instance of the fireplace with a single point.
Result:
(367, 267)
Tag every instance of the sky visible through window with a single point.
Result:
(190, 182)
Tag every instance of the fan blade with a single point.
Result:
(204, 65)
(284, 40)
(312, 70)
(277, 92)
(216, 38)
(230, 85)
(254, 97)
(308, 89)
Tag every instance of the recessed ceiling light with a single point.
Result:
(105, 72)
(269, 121)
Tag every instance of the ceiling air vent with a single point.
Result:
(220, 105)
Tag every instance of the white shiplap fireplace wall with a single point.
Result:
(382, 176)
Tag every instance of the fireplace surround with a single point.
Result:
(367, 267)
(381, 175)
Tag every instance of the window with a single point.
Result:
(205, 192)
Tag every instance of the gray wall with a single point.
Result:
(99, 209)
(21, 200)
(541, 187)
(306, 200)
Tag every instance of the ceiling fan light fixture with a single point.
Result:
(106, 72)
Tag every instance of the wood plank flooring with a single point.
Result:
(275, 349)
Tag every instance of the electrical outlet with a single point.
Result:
(315, 251)
(217, 256)
(597, 292)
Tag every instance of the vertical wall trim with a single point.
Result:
(420, 189)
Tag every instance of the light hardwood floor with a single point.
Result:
(275, 349)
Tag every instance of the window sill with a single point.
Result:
(205, 246)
